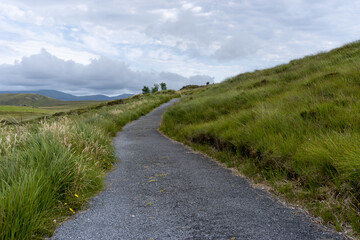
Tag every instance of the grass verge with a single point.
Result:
(19, 113)
(295, 126)
(50, 167)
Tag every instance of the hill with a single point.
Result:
(26, 106)
(295, 126)
(69, 97)
(27, 99)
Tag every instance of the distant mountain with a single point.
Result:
(27, 99)
(69, 97)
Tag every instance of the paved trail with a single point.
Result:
(161, 190)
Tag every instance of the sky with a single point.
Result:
(115, 46)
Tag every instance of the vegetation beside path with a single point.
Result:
(50, 167)
(296, 126)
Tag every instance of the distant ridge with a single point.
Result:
(69, 97)
(27, 99)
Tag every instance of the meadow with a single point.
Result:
(19, 113)
(295, 126)
(49, 167)
(15, 108)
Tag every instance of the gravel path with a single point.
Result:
(162, 190)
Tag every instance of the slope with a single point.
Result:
(295, 126)
(27, 99)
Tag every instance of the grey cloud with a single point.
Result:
(201, 79)
(238, 47)
(104, 75)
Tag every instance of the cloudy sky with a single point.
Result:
(117, 46)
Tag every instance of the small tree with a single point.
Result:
(207, 83)
(155, 88)
(146, 90)
(163, 86)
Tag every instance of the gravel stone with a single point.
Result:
(162, 190)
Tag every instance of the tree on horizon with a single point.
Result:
(163, 86)
(155, 88)
(145, 90)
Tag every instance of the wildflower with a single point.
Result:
(76, 195)
(65, 204)
(309, 139)
(355, 169)
(71, 210)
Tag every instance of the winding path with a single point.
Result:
(162, 190)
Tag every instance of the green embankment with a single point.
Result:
(296, 126)
(50, 167)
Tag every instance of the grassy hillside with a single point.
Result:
(296, 125)
(50, 167)
(27, 99)
(43, 102)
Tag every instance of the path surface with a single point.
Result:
(161, 190)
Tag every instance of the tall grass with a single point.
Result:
(49, 168)
(295, 125)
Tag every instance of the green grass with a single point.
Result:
(63, 106)
(26, 106)
(14, 114)
(22, 109)
(18, 113)
(295, 126)
(50, 167)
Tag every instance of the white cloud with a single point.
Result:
(10, 11)
(207, 37)
(17, 50)
(192, 7)
(134, 53)
(170, 15)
